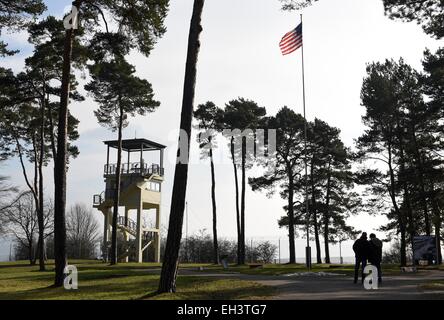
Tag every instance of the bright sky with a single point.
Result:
(240, 57)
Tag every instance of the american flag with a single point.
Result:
(291, 41)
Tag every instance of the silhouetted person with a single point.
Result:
(361, 247)
(375, 257)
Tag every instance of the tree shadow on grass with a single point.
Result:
(85, 274)
(122, 266)
(32, 276)
(122, 283)
(214, 289)
(90, 291)
(93, 284)
(181, 282)
(149, 295)
(18, 265)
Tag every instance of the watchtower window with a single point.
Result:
(154, 186)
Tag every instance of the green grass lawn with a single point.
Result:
(280, 269)
(99, 281)
(437, 285)
(434, 285)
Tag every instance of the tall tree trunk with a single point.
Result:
(37, 193)
(33, 188)
(403, 243)
(420, 175)
(410, 221)
(402, 231)
(315, 218)
(60, 163)
(40, 215)
(423, 196)
(31, 254)
(403, 228)
(51, 134)
(291, 222)
(52, 141)
(438, 239)
(317, 241)
(327, 218)
(36, 172)
(437, 224)
(213, 203)
(25, 175)
(399, 214)
(242, 206)
(113, 255)
(52, 137)
(407, 200)
(168, 275)
(236, 182)
(428, 227)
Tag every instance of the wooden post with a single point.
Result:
(128, 168)
(141, 160)
(139, 229)
(106, 230)
(157, 237)
(125, 234)
(161, 160)
(107, 160)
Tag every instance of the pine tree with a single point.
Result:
(208, 116)
(284, 168)
(17, 14)
(119, 94)
(142, 23)
(168, 275)
(242, 117)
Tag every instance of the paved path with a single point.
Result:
(401, 287)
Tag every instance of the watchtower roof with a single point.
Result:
(134, 145)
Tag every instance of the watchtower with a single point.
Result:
(140, 189)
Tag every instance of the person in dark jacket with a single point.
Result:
(375, 257)
(361, 247)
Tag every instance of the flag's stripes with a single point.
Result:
(291, 41)
(291, 44)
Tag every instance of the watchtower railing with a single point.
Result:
(134, 168)
(127, 222)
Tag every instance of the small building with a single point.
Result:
(140, 189)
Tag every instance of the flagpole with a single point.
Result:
(307, 249)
